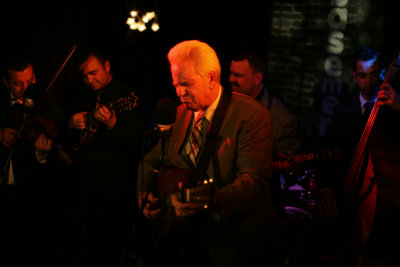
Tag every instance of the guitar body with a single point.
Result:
(168, 183)
(177, 181)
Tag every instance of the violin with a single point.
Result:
(38, 122)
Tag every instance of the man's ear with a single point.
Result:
(212, 76)
(107, 66)
(354, 76)
(258, 77)
(5, 82)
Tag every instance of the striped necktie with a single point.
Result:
(195, 140)
(367, 110)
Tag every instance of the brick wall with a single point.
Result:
(310, 52)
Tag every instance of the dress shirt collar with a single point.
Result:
(363, 101)
(13, 99)
(209, 112)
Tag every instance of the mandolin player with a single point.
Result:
(107, 121)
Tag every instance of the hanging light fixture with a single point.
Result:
(138, 20)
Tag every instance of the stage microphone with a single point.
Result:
(165, 116)
(28, 105)
(31, 94)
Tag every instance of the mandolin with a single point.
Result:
(119, 105)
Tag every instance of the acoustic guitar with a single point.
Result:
(182, 183)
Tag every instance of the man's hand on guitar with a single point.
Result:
(151, 207)
(188, 208)
(78, 121)
(106, 116)
(43, 145)
(190, 201)
(8, 136)
(283, 163)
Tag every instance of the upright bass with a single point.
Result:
(360, 182)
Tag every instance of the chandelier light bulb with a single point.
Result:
(134, 13)
(138, 20)
(155, 27)
(142, 27)
(130, 21)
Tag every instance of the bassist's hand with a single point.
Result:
(388, 96)
(151, 207)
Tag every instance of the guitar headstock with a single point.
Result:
(124, 103)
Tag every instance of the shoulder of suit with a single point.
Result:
(246, 107)
(278, 104)
(245, 100)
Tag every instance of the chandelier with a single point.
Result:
(139, 20)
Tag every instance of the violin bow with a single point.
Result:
(72, 50)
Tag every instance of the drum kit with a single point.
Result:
(300, 222)
(301, 196)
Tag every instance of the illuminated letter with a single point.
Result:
(331, 86)
(335, 45)
(337, 18)
(333, 66)
(339, 3)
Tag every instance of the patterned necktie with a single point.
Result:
(195, 140)
(367, 110)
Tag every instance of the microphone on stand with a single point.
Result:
(165, 116)
(28, 105)
(31, 95)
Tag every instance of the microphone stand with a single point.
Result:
(4, 174)
(134, 255)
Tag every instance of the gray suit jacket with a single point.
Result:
(241, 165)
(284, 125)
(244, 228)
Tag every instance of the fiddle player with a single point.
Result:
(22, 174)
(344, 133)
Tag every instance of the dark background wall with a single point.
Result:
(293, 33)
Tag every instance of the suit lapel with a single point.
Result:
(184, 118)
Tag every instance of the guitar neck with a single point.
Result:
(303, 158)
